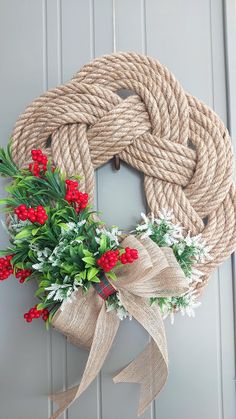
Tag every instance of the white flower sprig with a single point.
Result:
(189, 251)
(147, 228)
(113, 234)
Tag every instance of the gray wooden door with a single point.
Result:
(43, 43)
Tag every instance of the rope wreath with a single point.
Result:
(181, 145)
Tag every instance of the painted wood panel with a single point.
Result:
(24, 351)
(42, 44)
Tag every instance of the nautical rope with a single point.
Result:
(181, 145)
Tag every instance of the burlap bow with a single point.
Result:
(86, 322)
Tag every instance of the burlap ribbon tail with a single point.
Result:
(86, 322)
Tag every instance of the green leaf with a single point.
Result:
(111, 275)
(7, 166)
(80, 239)
(81, 275)
(89, 260)
(95, 279)
(19, 265)
(35, 231)
(7, 252)
(20, 255)
(87, 252)
(72, 251)
(64, 226)
(48, 275)
(92, 272)
(51, 314)
(23, 234)
(46, 304)
(103, 244)
(39, 292)
(80, 250)
(153, 300)
(67, 267)
(45, 283)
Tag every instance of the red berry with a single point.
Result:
(40, 162)
(129, 256)
(6, 268)
(34, 215)
(34, 313)
(108, 260)
(22, 274)
(22, 207)
(74, 196)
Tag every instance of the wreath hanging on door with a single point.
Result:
(90, 276)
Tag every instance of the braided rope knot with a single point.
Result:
(181, 146)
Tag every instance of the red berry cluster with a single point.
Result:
(34, 313)
(40, 162)
(129, 256)
(73, 195)
(6, 268)
(108, 260)
(22, 274)
(35, 215)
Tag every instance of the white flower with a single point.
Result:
(71, 227)
(145, 218)
(147, 233)
(80, 223)
(165, 214)
(202, 252)
(77, 240)
(62, 292)
(118, 306)
(145, 227)
(113, 235)
(16, 224)
(43, 254)
(142, 227)
(173, 231)
(38, 266)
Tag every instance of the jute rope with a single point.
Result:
(181, 146)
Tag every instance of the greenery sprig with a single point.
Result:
(188, 250)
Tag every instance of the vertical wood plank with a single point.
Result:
(228, 341)
(196, 58)
(103, 27)
(230, 36)
(23, 348)
(77, 37)
(114, 187)
(178, 35)
(128, 21)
